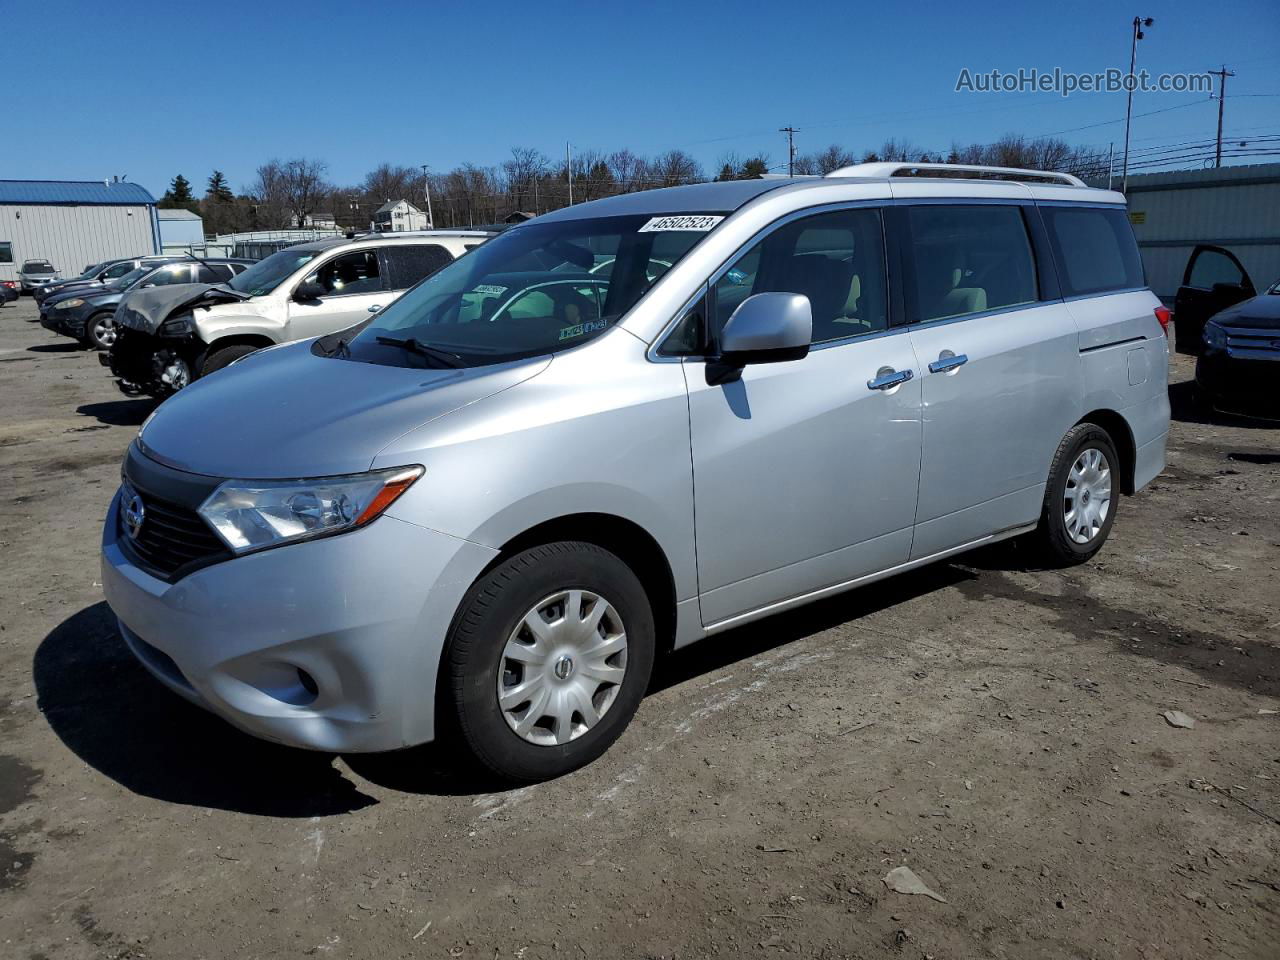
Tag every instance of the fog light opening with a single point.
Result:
(308, 683)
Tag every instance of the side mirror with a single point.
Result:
(767, 328)
(308, 291)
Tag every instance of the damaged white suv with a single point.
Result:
(170, 336)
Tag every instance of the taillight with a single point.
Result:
(1164, 315)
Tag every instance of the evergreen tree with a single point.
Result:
(218, 190)
(178, 194)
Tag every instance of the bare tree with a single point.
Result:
(304, 186)
(523, 169)
(673, 168)
(269, 204)
(629, 171)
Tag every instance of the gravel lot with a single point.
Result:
(994, 728)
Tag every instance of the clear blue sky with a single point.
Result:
(150, 90)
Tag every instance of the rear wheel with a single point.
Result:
(548, 659)
(100, 331)
(1081, 497)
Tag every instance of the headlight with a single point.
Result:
(69, 304)
(178, 326)
(255, 514)
(1215, 338)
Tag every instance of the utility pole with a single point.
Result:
(1111, 162)
(1138, 24)
(1222, 99)
(568, 168)
(426, 186)
(791, 149)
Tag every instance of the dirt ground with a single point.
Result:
(996, 729)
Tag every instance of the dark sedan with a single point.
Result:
(1238, 370)
(99, 274)
(89, 315)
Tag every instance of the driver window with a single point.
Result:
(349, 274)
(835, 259)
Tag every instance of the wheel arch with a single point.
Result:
(626, 539)
(1121, 434)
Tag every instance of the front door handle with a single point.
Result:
(887, 379)
(948, 361)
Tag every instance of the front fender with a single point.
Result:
(218, 327)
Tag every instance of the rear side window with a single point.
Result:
(407, 264)
(1095, 249)
(969, 259)
(214, 272)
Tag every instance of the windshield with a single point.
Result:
(536, 289)
(90, 272)
(265, 275)
(37, 266)
(132, 277)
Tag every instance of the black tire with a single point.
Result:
(221, 357)
(490, 613)
(100, 339)
(1052, 541)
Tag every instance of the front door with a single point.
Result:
(352, 284)
(805, 471)
(1213, 281)
(998, 371)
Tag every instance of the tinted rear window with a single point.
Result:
(1095, 249)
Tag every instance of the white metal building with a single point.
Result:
(180, 230)
(1233, 207)
(74, 223)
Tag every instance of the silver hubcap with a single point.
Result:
(1088, 495)
(562, 667)
(104, 331)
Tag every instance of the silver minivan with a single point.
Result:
(625, 426)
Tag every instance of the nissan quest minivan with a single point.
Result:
(483, 511)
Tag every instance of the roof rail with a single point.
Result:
(940, 170)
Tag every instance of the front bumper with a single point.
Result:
(1238, 385)
(66, 323)
(364, 615)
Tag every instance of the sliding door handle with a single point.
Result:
(948, 361)
(888, 378)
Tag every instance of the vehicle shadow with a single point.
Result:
(1185, 408)
(119, 413)
(113, 715)
(60, 346)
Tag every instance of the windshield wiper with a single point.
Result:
(414, 345)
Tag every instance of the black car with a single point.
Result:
(98, 274)
(1239, 366)
(89, 315)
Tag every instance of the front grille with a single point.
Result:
(173, 539)
(1245, 341)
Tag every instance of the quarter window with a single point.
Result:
(350, 274)
(1095, 249)
(968, 259)
(835, 259)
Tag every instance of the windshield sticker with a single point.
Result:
(578, 329)
(687, 223)
(490, 290)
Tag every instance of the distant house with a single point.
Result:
(319, 221)
(519, 216)
(396, 216)
(180, 230)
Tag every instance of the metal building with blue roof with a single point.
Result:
(74, 223)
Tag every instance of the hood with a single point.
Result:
(70, 293)
(1261, 312)
(286, 412)
(145, 310)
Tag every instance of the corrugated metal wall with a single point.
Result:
(72, 237)
(1174, 212)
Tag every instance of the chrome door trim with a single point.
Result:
(781, 605)
(953, 362)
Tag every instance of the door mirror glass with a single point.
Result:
(309, 291)
(767, 328)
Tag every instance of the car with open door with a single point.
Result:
(1238, 370)
(1213, 280)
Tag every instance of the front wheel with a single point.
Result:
(1081, 497)
(548, 659)
(100, 331)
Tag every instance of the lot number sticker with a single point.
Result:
(699, 224)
